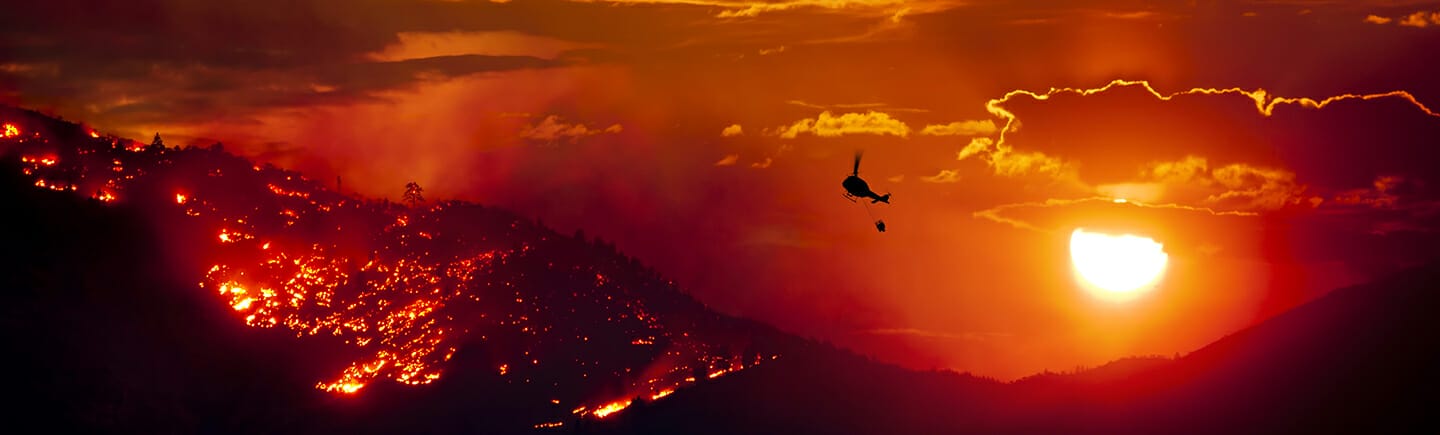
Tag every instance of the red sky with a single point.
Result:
(709, 137)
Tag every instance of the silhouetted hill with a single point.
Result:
(316, 310)
(1359, 360)
(100, 339)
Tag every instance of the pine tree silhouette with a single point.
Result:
(412, 193)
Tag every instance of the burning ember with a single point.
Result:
(46, 161)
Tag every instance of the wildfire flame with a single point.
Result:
(11, 131)
(610, 408)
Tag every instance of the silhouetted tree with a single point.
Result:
(412, 193)
(157, 144)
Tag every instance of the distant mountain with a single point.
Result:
(1361, 359)
(160, 290)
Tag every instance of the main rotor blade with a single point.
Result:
(857, 162)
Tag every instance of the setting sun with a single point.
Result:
(1116, 267)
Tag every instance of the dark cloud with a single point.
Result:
(176, 62)
(1123, 133)
(365, 78)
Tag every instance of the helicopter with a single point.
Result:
(856, 188)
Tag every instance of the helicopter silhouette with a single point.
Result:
(856, 188)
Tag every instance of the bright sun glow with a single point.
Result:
(1116, 268)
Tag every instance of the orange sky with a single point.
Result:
(709, 137)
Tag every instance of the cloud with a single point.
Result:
(829, 125)
(732, 130)
(130, 92)
(553, 129)
(1376, 19)
(945, 176)
(420, 45)
(899, 15)
(1008, 162)
(960, 128)
(1274, 188)
(1421, 19)
(769, 51)
(1250, 187)
(1309, 187)
(1179, 171)
(976, 146)
(879, 107)
(1145, 192)
(1382, 194)
(372, 77)
(1235, 186)
(753, 8)
(1000, 213)
(1417, 19)
(1265, 103)
(728, 160)
(896, 179)
(762, 164)
(1005, 161)
(1129, 15)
